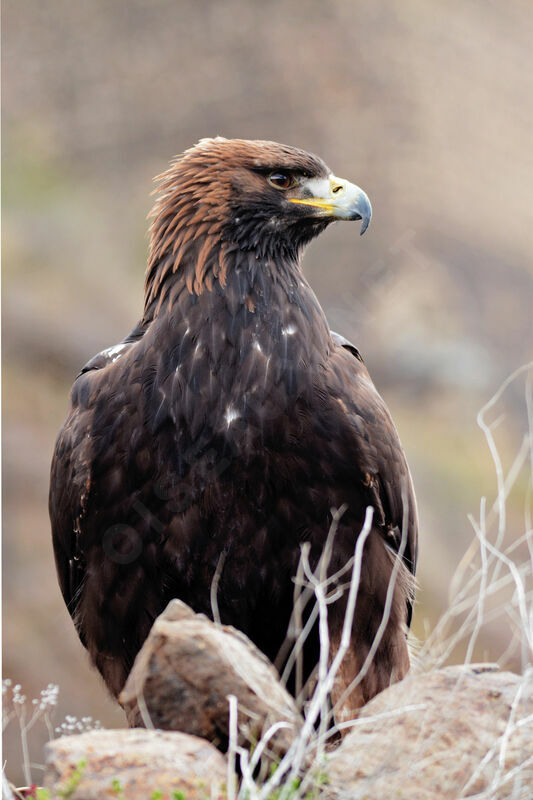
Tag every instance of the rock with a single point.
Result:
(133, 764)
(457, 732)
(185, 672)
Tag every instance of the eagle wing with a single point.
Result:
(381, 460)
(71, 479)
(70, 485)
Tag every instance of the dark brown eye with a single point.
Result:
(281, 180)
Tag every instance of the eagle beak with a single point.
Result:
(337, 198)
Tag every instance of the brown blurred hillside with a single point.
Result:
(427, 106)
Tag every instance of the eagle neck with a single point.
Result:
(222, 268)
(249, 298)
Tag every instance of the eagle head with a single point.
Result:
(259, 196)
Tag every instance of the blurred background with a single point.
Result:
(427, 106)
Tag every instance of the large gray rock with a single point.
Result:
(458, 732)
(185, 672)
(133, 765)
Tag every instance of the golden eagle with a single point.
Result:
(230, 422)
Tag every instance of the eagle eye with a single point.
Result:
(281, 180)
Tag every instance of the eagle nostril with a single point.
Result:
(338, 187)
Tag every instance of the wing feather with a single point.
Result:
(381, 459)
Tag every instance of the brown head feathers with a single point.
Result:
(212, 199)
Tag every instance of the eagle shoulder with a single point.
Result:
(108, 356)
(351, 348)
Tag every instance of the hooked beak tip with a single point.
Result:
(363, 209)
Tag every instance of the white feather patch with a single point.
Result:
(115, 352)
(231, 415)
